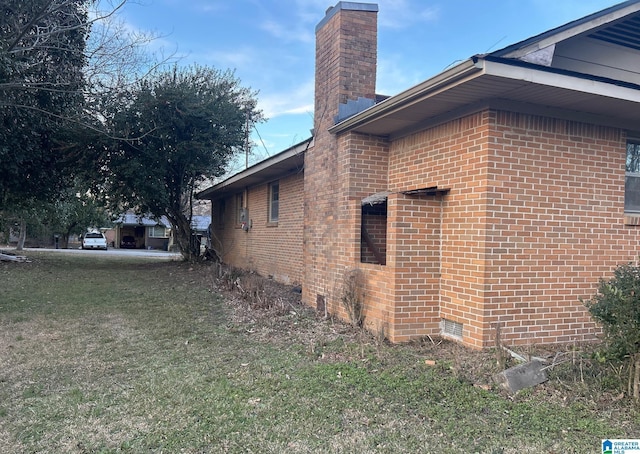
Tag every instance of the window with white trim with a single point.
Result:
(240, 210)
(274, 201)
(159, 231)
(632, 178)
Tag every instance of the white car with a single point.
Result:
(94, 240)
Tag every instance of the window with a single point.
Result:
(274, 201)
(632, 178)
(373, 230)
(240, 208)
(159, 231)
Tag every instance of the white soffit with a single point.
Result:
(564, 81)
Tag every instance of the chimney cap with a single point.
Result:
(346, 6)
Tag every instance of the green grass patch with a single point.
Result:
(101, 354)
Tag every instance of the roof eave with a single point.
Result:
(491, 70)
(569, 30)
(457, 74)
(560, 79)
(255, 170)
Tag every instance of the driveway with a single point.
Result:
(163, 255)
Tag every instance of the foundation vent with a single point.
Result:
(451, 328)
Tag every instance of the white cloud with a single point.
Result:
(405, 13)
(395, 76)
(298, 100)
(238, 58)
(285, 33)
(306, 109)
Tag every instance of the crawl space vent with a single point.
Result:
(451, 328)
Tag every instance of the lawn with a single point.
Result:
(104, 354)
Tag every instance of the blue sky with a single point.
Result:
(271, 45)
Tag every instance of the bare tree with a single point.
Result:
(58, 58)
(92, 48)
(117, 55)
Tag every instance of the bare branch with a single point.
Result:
(29, 25)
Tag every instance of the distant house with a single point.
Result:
(200, 224)
(200, 227)
(492, 195)
(147, 231)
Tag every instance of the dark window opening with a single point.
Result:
(373, 233)
(321, 305)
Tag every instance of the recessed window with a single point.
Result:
(274, 201)
(632, 178)
(373, 231)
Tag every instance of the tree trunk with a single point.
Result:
(23, 235)
(66, 235)
(187, 242)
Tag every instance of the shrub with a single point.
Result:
(616, 305)
(353, 296)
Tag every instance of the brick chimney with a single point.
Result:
(346, 47)
(346, 60)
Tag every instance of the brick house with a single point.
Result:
(495, 193)
(257, 216)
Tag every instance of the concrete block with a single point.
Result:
(523, 376)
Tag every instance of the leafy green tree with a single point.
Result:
(42, 46)
(73, 213)
(18, 219)
(57, 57)
(183, 127)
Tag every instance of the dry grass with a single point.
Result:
(106, 355)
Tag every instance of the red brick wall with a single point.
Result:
(346, 47)
(452, 156)
(556, 204)
(271, 249)
(364, 161)
(414, 261)
(533, 219)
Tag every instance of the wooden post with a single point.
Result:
(636, 377)
(500, 356)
